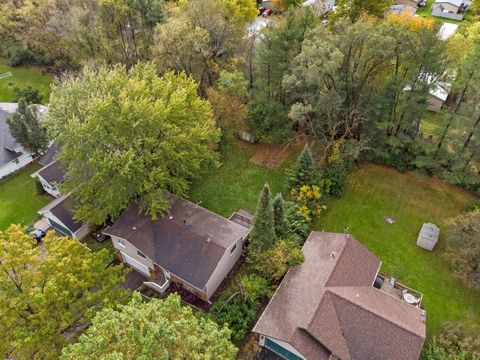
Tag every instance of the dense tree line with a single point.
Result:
(366, 85)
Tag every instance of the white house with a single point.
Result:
(190, 246)
(51, 174)
(12, 156)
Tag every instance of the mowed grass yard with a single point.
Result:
(237, 183)
(19, 201)
(376, 191)
(23, 77)
(373, 192)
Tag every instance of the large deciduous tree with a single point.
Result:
(278, 46)
(49, 294)
(159, 329)
(128, 134)
(25, 127)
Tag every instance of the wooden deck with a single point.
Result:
(398, 290)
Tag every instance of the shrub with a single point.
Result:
(29, 94)
(456, 339)
(255, 288)
(39, 187)
(308, 199)
(279, 259)
(21, 56)
(237, 314)
(335, 180)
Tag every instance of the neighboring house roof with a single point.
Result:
(8, 145)
(49, 156)
(189, 241)
(62, 208)
(456, 3)
(53, 173)
(328, 305)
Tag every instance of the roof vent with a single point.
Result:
(170, 217)
(209, 239)
(332, 254)
(134, 228)
(424, 316)
(357, 296)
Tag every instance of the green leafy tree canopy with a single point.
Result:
(49, 294)
(128, 134)
(25, 127)
(159, 329)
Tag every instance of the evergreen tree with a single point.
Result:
(262, 235)
(281, 225)
(25, 127)
(304, 171)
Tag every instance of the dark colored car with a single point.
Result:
(261, 10)
(38, 235)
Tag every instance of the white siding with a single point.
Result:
(51, 189)
(82, 232)
(15, 164)
(131, 251)
(224, 266)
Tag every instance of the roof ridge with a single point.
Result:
(327, 289)
(328, 293)
(344, 245)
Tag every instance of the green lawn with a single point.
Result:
(23, 77)
(19, 201)
(237, 183)
(375, 192)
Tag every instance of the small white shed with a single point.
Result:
(428, 236)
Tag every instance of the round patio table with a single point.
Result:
(409, 298)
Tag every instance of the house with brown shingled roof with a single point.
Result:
(334, 306)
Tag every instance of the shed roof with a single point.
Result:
(328, 305)
(189, 241)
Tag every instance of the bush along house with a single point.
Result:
(190, 246)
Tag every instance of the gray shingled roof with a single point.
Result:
(63, 208)
(328, 305)
(53, 173)
(7, 142)
(49, 156)
(189, 250)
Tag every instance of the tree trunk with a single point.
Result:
(469, 138)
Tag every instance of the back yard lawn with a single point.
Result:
(19, 201)
(374, 192)
(23, 77)
(238, 182)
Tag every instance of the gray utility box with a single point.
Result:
(428, 236)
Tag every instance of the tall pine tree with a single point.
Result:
(262, 235)
(281, 225)
(304, 171)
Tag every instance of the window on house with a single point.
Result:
(232, 250)
(139, 253)
(121, 243)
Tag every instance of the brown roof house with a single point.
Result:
(190, 246)
(336, 306)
